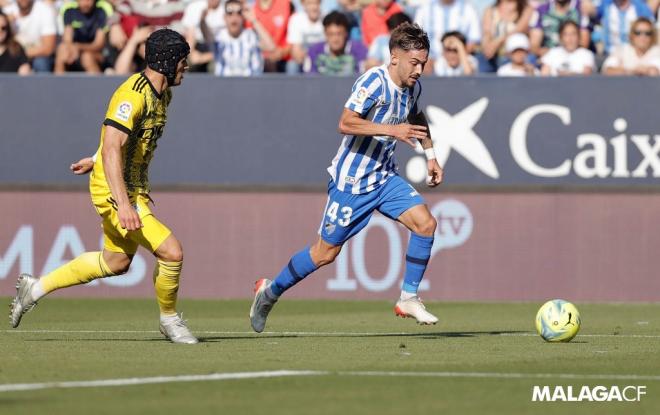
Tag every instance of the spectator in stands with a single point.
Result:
(305, 29)
(438, 17)
(238, 50)
(374, 19)
(640, 57)
(83, 38)
(616, 17)
(353, 11)
(517, 48)
(337, 55)
(454, 61)
(379, 51)
(501, 20)
(544, 27)
(12, 55)
(157, 13)
(131, 59)
(568, 58)
(202, 21)
(35, 25)
(274, 16)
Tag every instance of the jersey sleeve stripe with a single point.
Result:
(139, 84)
(116, 125)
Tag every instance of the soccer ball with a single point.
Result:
(558, 321)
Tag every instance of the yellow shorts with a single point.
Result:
(115, 239)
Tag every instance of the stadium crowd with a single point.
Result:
(335, 37)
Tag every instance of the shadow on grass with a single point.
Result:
(430, 336)
(211, 339)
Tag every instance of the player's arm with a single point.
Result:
(113, 140)
(351, 123)
(435, 171)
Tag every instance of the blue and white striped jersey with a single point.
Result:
(363, 163)
(238, 56)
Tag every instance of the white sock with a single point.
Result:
(167, 318)
(405, 295)
(37, 291)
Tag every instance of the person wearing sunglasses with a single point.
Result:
(616, 17)
(454, 61)
(12, 55)
(641, 57)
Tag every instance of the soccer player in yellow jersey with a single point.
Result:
(119, 187)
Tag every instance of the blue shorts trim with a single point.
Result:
(346, 214)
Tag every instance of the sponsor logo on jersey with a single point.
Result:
(361, 96)
(124, 111)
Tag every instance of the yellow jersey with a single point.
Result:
(137, 109)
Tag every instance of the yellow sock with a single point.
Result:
(85, 268)
(166, 281)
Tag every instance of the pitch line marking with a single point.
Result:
(18, 387)
(153, 380)
(312, 333)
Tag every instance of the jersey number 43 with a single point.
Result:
(345, 211)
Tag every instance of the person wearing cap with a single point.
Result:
(119, 186)
(517, 49)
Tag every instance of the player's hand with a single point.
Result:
(129, 218)
(435, 173)
(409, 133)
(83, 166)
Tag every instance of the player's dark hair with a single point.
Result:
(165, 49)
(409, 36)
(397, 19)
(338, 19)
(568, 23)
(454, 33)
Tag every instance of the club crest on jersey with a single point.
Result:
(350, 179)
(124, 111)
(361, 96)
(329, 228)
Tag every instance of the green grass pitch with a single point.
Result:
(483, 358)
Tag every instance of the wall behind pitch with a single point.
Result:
(501, 246)
(281, 131)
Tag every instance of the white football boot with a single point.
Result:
(414, 308)
(175, 329)
(23, 302)
(261, 305)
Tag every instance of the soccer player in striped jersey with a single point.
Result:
(119, 186)
(382, 110)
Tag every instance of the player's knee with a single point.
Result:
(327, 256)
(119, 265)
(427, 227)
(173, 253)
(121, 270)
